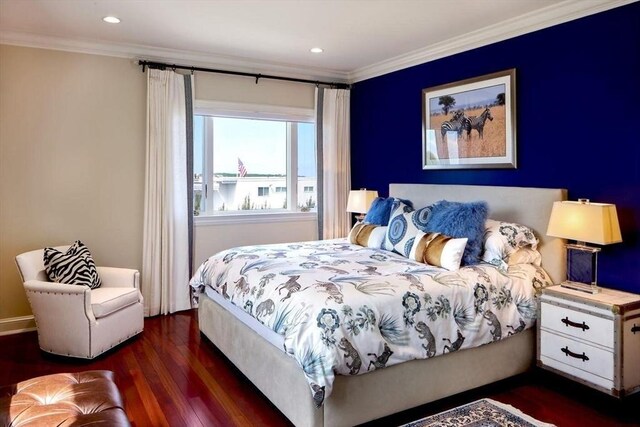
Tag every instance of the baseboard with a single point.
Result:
(16, 325)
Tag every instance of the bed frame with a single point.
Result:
(362, 398)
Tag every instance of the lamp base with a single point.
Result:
(360, 217)
(582, 267)
(584, 287)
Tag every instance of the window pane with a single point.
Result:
(306, 167)
(242, 164)
(249, 164)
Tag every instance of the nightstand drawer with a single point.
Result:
(590, 338)
(583, 357)
(577, 324)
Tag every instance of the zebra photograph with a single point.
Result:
(470, 123)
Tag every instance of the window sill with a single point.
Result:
(251, 218)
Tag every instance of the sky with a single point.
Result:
(482, 96)
(260, 144)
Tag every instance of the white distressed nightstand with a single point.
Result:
(591, 338)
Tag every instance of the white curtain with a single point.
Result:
(336, 163)
(165, 259)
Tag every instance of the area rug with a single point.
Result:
(481, 413)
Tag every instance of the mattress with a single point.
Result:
(272, 337)
(343, 309)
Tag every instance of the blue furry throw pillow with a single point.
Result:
(379, 211)
(457, 220)
(381, 208)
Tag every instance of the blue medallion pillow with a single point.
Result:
(404, 224)
(457, 219)
(381, 208)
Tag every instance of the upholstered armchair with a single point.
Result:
(75, 320)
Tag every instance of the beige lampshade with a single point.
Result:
(360, 200)
(585, 222)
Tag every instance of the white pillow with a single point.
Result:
(404, 224)
(438, 249)
(501, 239)
(525, 256)
(367, 235)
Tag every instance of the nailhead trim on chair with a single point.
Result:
(73, 355)
(122, 340)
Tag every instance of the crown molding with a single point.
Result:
(198, 59)
(565, 11)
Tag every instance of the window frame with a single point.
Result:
(291, 115)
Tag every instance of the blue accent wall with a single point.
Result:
(578, 122)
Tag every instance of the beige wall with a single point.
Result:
(72, 159)
(210, 239)
(72, 146)
(222, 87)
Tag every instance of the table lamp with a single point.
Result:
(360, 201)
(584, 222)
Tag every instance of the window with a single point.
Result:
(253, 159)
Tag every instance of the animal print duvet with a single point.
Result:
(348, 310)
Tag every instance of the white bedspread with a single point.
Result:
(344, 309)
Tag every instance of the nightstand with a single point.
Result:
(591, 338)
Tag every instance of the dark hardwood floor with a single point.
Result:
(171, 375)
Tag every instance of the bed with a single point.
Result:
(350, 400)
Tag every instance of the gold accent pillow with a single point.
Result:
(438, 249)
(367, 235)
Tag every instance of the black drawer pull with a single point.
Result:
(635, 329)
(568, 352)
(582, 325)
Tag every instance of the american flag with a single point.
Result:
(242, 171)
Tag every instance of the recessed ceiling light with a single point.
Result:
(316, 50)
(111, 20)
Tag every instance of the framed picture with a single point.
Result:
(470, 124)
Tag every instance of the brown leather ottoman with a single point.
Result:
(84, 398)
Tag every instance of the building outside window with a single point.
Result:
(253, 162)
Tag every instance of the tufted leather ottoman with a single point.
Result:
(84, 398)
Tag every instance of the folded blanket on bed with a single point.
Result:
(346, 309)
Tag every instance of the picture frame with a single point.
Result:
(470, 124)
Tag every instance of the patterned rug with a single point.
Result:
(481, 413)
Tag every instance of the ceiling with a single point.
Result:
(360, 38)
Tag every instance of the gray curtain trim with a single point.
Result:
(188, 92)
(319, 163)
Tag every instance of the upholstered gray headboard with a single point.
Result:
(527, 206)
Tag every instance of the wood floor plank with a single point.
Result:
(153, 412)
(220, 392)
(167, 391)
(171, 375)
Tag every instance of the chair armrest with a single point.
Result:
(119, 277)
(55, 288)
(49, 300)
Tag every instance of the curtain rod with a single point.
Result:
(163, 66)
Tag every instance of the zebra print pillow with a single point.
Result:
(74, 267)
